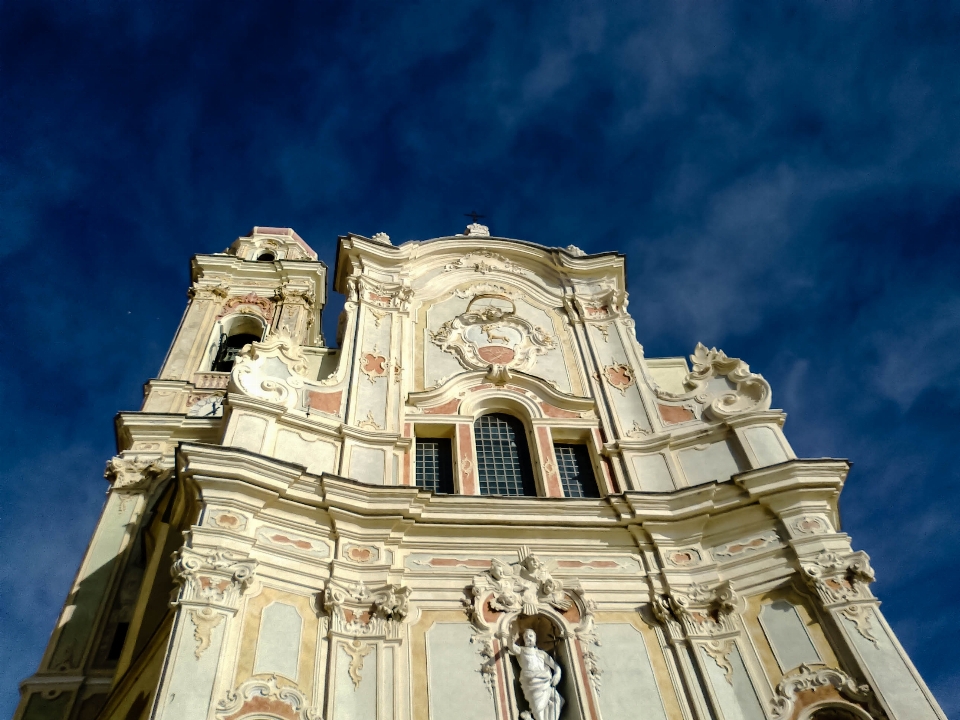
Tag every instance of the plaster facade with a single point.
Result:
(265, 550)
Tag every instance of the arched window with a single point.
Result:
(503, 460)
(230, 347)
(229, 336)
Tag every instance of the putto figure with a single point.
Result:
(539, 675)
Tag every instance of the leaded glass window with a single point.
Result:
(434, 465)
(503, 460)
(576, 471)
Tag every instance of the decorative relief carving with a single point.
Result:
(488, 659)
(205, 619)
(266, 698)
(575, 251)
(746, 545)
(212, 577)
(132, 475)
(702, 610)
(619, 376)
(369, 423)
(356, 651)
(489, 334)
(395, 296)
(843, 583)
(199, 291)
(524, 589)
(488, 262)
(748, 391)
(720, 651)
(356, 611)
(381, 237)
(272, 370)
(251, 303)
(806, 678)
(291, 294)
(608, 304)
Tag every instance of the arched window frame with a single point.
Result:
(466, 472)
(228, 326)
(526, 456)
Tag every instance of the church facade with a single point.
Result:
(486, 504)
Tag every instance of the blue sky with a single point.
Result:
(783, 177)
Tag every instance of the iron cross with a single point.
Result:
(474, 216)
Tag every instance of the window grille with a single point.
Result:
(434, 465)
(576, 471)
(230, 347)
(503, 460)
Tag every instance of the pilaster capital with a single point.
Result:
(213, 578)
(133, 474)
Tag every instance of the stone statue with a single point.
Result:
(539, 676)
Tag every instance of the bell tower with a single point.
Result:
(485, 504)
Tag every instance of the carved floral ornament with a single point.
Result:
(528, 588)
(490, 335)
(744, 391)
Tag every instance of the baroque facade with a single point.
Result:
(487, 504)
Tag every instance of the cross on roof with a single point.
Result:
(474, 215)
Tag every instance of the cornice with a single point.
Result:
(208, 464)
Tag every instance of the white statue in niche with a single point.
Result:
(539, 675)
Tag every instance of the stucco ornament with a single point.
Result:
(843, 583)
(132, 474)
(807, 678)
(271, 370)
(356, 611)
(539, 676)
(215, 578)
(269, 699)
(706, 613)
(724, 386)
(526, 588)
(489, 335)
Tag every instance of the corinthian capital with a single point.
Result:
(215, 578)
(132, 474)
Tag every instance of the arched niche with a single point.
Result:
(834, 710)
(556, 642)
